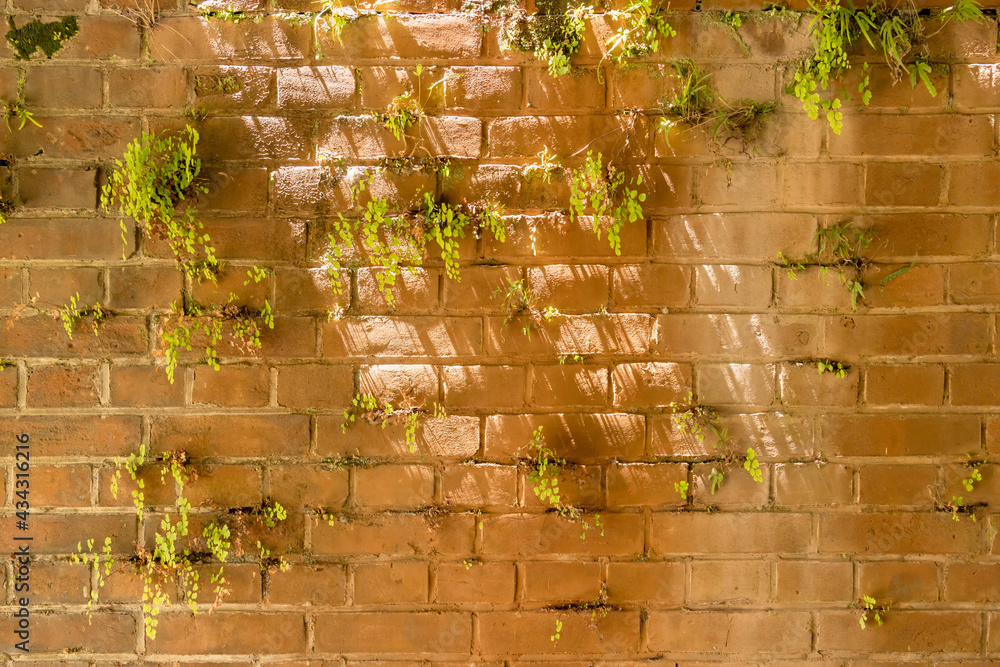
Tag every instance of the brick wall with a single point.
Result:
(443, 554)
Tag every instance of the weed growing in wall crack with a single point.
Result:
(605, 194)
(871, 607)
(641, 27)
(404, 410)
(155, 185)
(544, 470)
(520, 300)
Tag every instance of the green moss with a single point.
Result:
(37, 35)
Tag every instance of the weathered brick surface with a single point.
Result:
(414, 539)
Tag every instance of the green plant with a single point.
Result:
(190, 323)
(752, 465)
(546, 166)
(405, 411)
(18, 108)
(519, 299)
(715, 480)
(957, 504)
(555, 635)
(830, 366)
(842, 249)
(870, 606)
(153, 186)
(605, 193)
(681, 488)
(698, 420)
(232, 15)
(544, 471)
(559, 46)
(641, 27)
(72, 312)
(897, 34)
(407, 109)
(34, 35)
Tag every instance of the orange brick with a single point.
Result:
(232, 386)
(898, 485)
(907, 532)
(395, 486)
(579, 486)
(810, 484)
(568, 385)
(315, 386)
(219, 633)
(544, 534)
(302, 485)
(733, 285)
(63, 386)
(60, 486)
(697, 532)
(972, 582)
(899, 435)
(654, 581)
(802, 384)
(814, 581)
(434, 633)
(729, 582)
(390, 583)
(561, 582)
(905, 385)
(636, 484)
(914, 631)
(571, 288)
(223, 486)
(899, 582)
(736, 383)
(456, 437)
(477, 582)
(576, 437)
(650, 286)
(476, 386)
(530, 632)
(903, 184)
(479, 486)
(717, 631)
(309, 584)
(649, 384)
(975, 384)
(237, 435)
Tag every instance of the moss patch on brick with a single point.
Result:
(48, 37)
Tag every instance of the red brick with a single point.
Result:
(102, 38)
(736, 383)
(255, 88)
(427, 633)
(58, 188)
(220, 633)
(976, 283)
(316, 88)
(402, 337)
(896, 435)
(912, 631)
(78, 138)
(505, 633)
(680, 533)
(477, 582)
(146, 287)
(561, 582)
(309, 584)
(637, 484)
(231, 386)
(394, 486)
(396, 533)
(60, 486)
(237, 435)
(60, 534)
(751, 335)
(653, 581)
(97, 436)
(913, 135)
(55, 582)
(898, 485)
(415, 291)
(223, 486)
(899, 582)
(576, 437)
(650, 384)
(456, 437)
(541, 534)
(64, 238)
(63, 386)
(802, 384)
(905, 385)
(194, 38)
(315, 386)
(909, 533)
(729, 582)
(390, 583)
(53, 633)
(725, 632)
(732, 236)
(972, 582)
(810, 484)
(56, 286)
(903, 184)
(485, 89)
(300, 290)
(153, 87)
(62, 87)
(651, 286)
(144, 386)
(569, 385)
(814, 581)
(479, 486)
